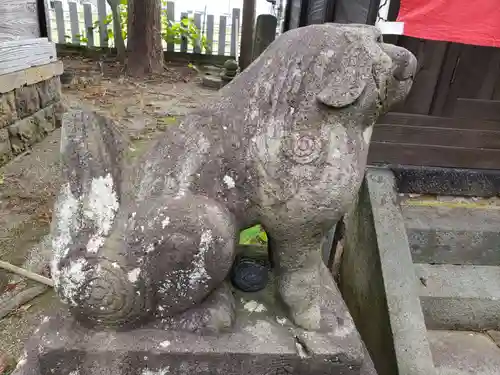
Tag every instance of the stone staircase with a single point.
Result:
(428, 268)
(455, 247)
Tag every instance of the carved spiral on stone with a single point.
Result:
(108, 296)
(304, 148)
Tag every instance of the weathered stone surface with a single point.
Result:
(285, 146)
(49, 91)
(45, 121)
(378, 281)
(59, 109)
(8, 112)
(23, 134)
(212, 81)
(5, 148)
(265, 33)
(263, 341)
(27, 101)
(459, 297)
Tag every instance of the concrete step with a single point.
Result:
(459, 296)
(441, 234)
(464, 353)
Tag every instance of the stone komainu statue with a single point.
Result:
(285, 145)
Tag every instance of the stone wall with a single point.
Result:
(30, 108)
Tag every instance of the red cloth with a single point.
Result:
(474, 22)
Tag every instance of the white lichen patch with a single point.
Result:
(254, 306)
(101, 209)
(72, 279)
(229, 182)
(301, 351)
(165, 344)
(65, 225)
(76, 372)
(199, 272)
(165, 222)
(150, 248)
(22, 360)
(161, 371)
(133, 275)
(281, 320)
(95, 243)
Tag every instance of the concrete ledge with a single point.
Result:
(447, 181)
(460, 297)
(453, 235)
(378, 282)
(30, 76)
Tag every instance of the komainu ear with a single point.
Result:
(347, 83)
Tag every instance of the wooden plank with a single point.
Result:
(19, 19)
(103, 28)
(210, 33)
(170, 18)
(471, 76)
(430, 56)
(446, 77)
(89, 24)
(75, 24)
(477, 109)
(222, 35)
(19, 57)
(61, 32)
(30, 76)
(197, 22)
(487, 90)
(433, 156)
(235, 31)
(467, 138)
(184, 43)
(437, 122)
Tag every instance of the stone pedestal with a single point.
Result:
(265, 33)
(262, 342)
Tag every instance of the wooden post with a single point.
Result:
(170, 19)
(210, 34)
(89, 24)
(75, 24)
(61, 32)
(103, 28)
(221, 50)
(235, 31)
(247, 27)
(184, 42)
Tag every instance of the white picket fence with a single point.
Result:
(69, 25)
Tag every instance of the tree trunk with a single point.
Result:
(117, 30)
(247, 28)
(144, 49)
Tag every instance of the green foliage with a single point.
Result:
(253, 236)
(172, 32)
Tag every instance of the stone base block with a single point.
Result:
(262, 342)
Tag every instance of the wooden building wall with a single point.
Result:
(19, 19)
(451, 117)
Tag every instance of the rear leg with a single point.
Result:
(212, 316)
